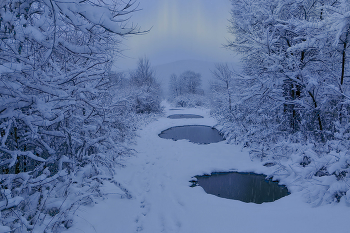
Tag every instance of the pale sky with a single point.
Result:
(180, 30)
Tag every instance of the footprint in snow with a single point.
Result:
(145, 208)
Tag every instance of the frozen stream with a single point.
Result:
(183, 116)
(199, 134)
(157, 179)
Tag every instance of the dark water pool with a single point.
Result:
(246, 187)
(194, 133)
(182, 116)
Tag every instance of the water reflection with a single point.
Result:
(182, 116)
(194, 133)
(246, 187)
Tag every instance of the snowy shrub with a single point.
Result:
(316, 169)
(290, 103)
(145, 88)
(190, 101)
(63, 124)
(186, 90)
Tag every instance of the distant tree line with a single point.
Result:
(185, 90)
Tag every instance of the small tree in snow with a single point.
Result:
(148, 91)
(186, 89)
(191, 83)
(174, 87)
(223, 83)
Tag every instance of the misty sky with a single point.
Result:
(181, 29)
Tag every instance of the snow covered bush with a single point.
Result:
(62, 127)
(319, 170)
(147, 90)
(190, 101)
(291, 99)
(222, 88)
(185, 91)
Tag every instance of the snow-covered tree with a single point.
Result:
(294, 87)
(185, 90)
(174, 87)
(188, 82)
(60, 125)
(147, 89)
(223, 83)
(191, 83)
(289, 61)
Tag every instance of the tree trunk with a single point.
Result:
(342, 76)
(343, 64)
(229, 97)
(318, 115)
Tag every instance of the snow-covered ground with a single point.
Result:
(157, 178)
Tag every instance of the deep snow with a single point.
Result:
(158, 176)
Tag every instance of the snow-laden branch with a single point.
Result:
(14, 154)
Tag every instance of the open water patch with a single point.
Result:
(199, 134)
(184, 116)
(242, 186)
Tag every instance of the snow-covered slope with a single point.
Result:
(163, 72)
